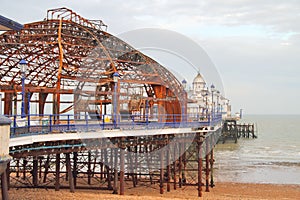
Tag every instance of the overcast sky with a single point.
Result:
(254, 44)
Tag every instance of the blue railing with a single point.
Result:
(42, 124)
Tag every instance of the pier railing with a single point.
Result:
(49, 123)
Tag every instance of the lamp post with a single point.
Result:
(183, 102)
(212, 88)
(218, 96)
(204, 93)
(23, 68)
(116, 77)
(184, 83)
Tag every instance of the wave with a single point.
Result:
(281, 163)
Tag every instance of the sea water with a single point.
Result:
(274, 157)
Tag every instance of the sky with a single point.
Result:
(254, 44)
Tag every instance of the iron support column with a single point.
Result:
(74, 174)
(122, 170)
(168, 169)
(199, 149)
(69, 172)
(115, 167)
(57, 171)
(35, 171)
(212, 163)
(89, 168)
(174, 166)
(46, 168)
(161, 179)
(207, 165)
(180, 165)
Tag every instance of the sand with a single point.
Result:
(221, 191)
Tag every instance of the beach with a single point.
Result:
(263, 168)
(221, 191)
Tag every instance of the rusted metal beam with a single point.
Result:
(42, 101)
(7, 103)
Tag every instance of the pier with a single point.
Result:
(233, 131)
(89, 111)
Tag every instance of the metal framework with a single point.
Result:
(69, 55)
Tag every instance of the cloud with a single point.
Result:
(280, 16)
(258, 73)
(254, 43)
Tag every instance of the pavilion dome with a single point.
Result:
(198, 84)
(199, 79)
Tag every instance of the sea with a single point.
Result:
(274, 157)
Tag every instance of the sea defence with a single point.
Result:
(4, 153)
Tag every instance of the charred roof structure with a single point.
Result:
(66, 54)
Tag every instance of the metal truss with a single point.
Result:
(68, 54)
